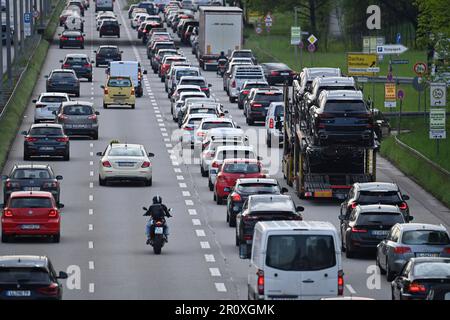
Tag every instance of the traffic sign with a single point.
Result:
(401, 94)
(419, 84)
(437, 123)
(27, 16)
(268, 20)
(258, 30)
(391, 49)
(311, 48)
(312, 39)
(438, 94)
(359, 64)
(390, 95)
(36, 14)
(398, 38)
(399, 61)
(420, 68)
(296, 35)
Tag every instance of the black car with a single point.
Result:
(245, 188)
(80, 64)
(258, 102)
(276, 72)
(148, 28)
(63, 80)
(245, 90)
(71, 39)
(149, 6)
(32, 177)
(46, 140)
(109, 27)
(262, 208)
(29, 278)
(375, 193)
(367, 226)
(419, 276)
(106, 54)
(439, 292)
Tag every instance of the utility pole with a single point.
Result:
(16, 30)
(42, 15)
(1, 60)
(296, 24)
(8, 44)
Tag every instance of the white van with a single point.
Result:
(74, 23)
(130, 69)
(104, 5)
(296, 260)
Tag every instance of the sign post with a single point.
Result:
(296, 35)
(438, 98)
(311, 48)
(400, 96)
(27, 24)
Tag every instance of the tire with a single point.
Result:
(231, 99)
(5, 238)
(210, 185)
(96, 65)
(56, 238)
(390, 275)
(133, 106)
(349, 254)
(240, 106)
(90, 79)
(228, 217)
(219, 200)
(105, 106)
(382, 271)
(100, 35)
(163, 79)
(101, 181)
(269, 141)
(82, 47)
(61, 47)
(232, 222)
(77, 94)
(249, 121)
(26, 156)
(149, 182)
(236, 241)
(203, 172)
(95, 136)
(157, 244)
(67, 155)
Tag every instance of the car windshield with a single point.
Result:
(78, 110)
(54, 99)
(275, 97)
(300, 252)
(236, 154)
(258, 188)
(30, 202)
(217, 124)
(242, 168)
(31, 174)
(184, 73)
(46, 131)
(126, 152)
(374, 197)
(436, 269)
(370, 218)
(345, 106)
(108, 51)
(24, 275)
(119, 82)
(425, 237)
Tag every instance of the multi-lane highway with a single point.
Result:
(102, 233)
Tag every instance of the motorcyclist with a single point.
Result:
(222, 61)
(157, 211)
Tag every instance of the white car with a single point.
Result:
(47, 104)
(190, 126)
(125, 162)
(211, 123)
(274, 118)
(176, 106)
(209, 152)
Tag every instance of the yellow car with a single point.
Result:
(119, 91)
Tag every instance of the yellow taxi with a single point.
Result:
(119, 91)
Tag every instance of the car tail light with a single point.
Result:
(340, 282)
(87, 65)
(416, 288)
(233, 84)
(132, 91)
(8, 213)
(106, 164)
(50, 185)
(403, 206)
(92, 117)
(10, 184)
(236, 197)
(62, 116)
(248, 237)
(245, 92)
(352, 205)
(215, 164)
(447, 250)
(106, 90)
(63, 139)
(271, 123)
(51, 290)
(274, 73)
(256, 105)
(402, 250)
(53, 213)
(204, 89)
(187, 128)
(79, 38)
(200, 134)
(260, 275)
(357, 230)
(31, 139)
(63, 38)
(146, 164)
(66, 66)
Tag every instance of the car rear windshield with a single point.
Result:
(345, 106)
(300, 252)
(425, 237)
(203, 110)
(110, 23)
(258, 188)
(269, 97)
(63, 76)
(254, 85)
(30, 202)
(370, 218)
(53, 99)
(119, 83)
(24, 275)
(243, 55)
(236, 154)
(242, 168)
(200, 83)
(78, 110)
(126, 152)
(436, 269)
(333, 88)
(279, 111)
(108, 51)
(186, 73)
(76, 60)
(165, 46)
(31, 174)
(218, 124)
(46, 131)
(371, 197)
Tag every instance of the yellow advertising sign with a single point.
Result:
(359, 63)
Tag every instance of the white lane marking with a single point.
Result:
(350, 288)
(215, 272)
(91, 197)
(91, 145)
(91, 163)
(91, 212)
(186, 194)
(171, 151)
(174, 163)
(182, 185)
(192, 212)
(159, 120)
(91, 227)
(180, 178)
(164, 134)
(220, 287)
(178, 170)
(205, 245)
(172, 157)
(91, 244)
(189, 202)
(169, 145)
(91, 173)
(210, 258)
(91, 287)
(91, 185)
(156, 108)
(200, 233)
(91, 154)
(161, 124)
(163, 129)
(196, 222)
(166, 139)
(91, 265)
(157, 111)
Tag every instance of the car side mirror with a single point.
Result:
(284, 190)
(97, 113)
(24, 133)
(60, 205)
(226, 111)
(145, 71)
(62, 275)
(299, 209)
(151, 155)
(410, 218)
(95, 51)
(102, 86)
(92, 61)
(34, 101)
(46, 76)
(209, 85)
(405, 197)
(144, 208)
(341, 217)
(121, 51)
(259, 158)
(59, 177)
(61, 61)
(100, 154)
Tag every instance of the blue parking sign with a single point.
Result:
(27, 17)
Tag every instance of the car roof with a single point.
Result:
(263, 90)
(23, 261)
(72, 32)
(429, 259)
(377, 186)
(239, 148)
(257, 180)
(275, 64)
(421, 226)
(192, 78)
(295, 225)
(344, 81)
(341, 95)
(321, 72)
(38, 194)
(108, 46)
(381, 208)
(194, 94)
(217, 119)
(187, 86)
(63, 70)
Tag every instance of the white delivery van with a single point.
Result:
(104, 5)
(295, 260)
(130, 69)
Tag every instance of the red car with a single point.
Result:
(31, 213)
(230, 171)
(164, 67)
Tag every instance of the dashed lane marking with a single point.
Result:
(91, 212)
(182, 185)
(91, 244)
(91, 287)
(91, 265)
(91, 197)
(210, 258)
(205, 245)
(215, 272)
(189, 202)
(186, 194)
(91, 227)
(177, 170)
(200, 233)
(196, 222)
(220, 287)
(350, 288)
(192, 212)
(180, 178)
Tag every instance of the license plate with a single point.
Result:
(380, 232)
(323, 194)
(18, 293)
(71, 38)
(76, 67)
(284, 74)
(46, 148)
(427, 254)
(79, 126)
(30, 227)
(31, 189)
(126, 164)
(159, 230)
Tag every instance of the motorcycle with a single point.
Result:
(157, 237)
(221, 67)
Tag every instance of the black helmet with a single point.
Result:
(157, 199)
(222, 53)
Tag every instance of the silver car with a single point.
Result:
(47, 104)
(410, 240)
(79, 118)
(274, 124)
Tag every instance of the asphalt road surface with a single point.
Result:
(102, 238)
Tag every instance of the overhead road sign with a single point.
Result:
(391, 49)
(361, 64)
